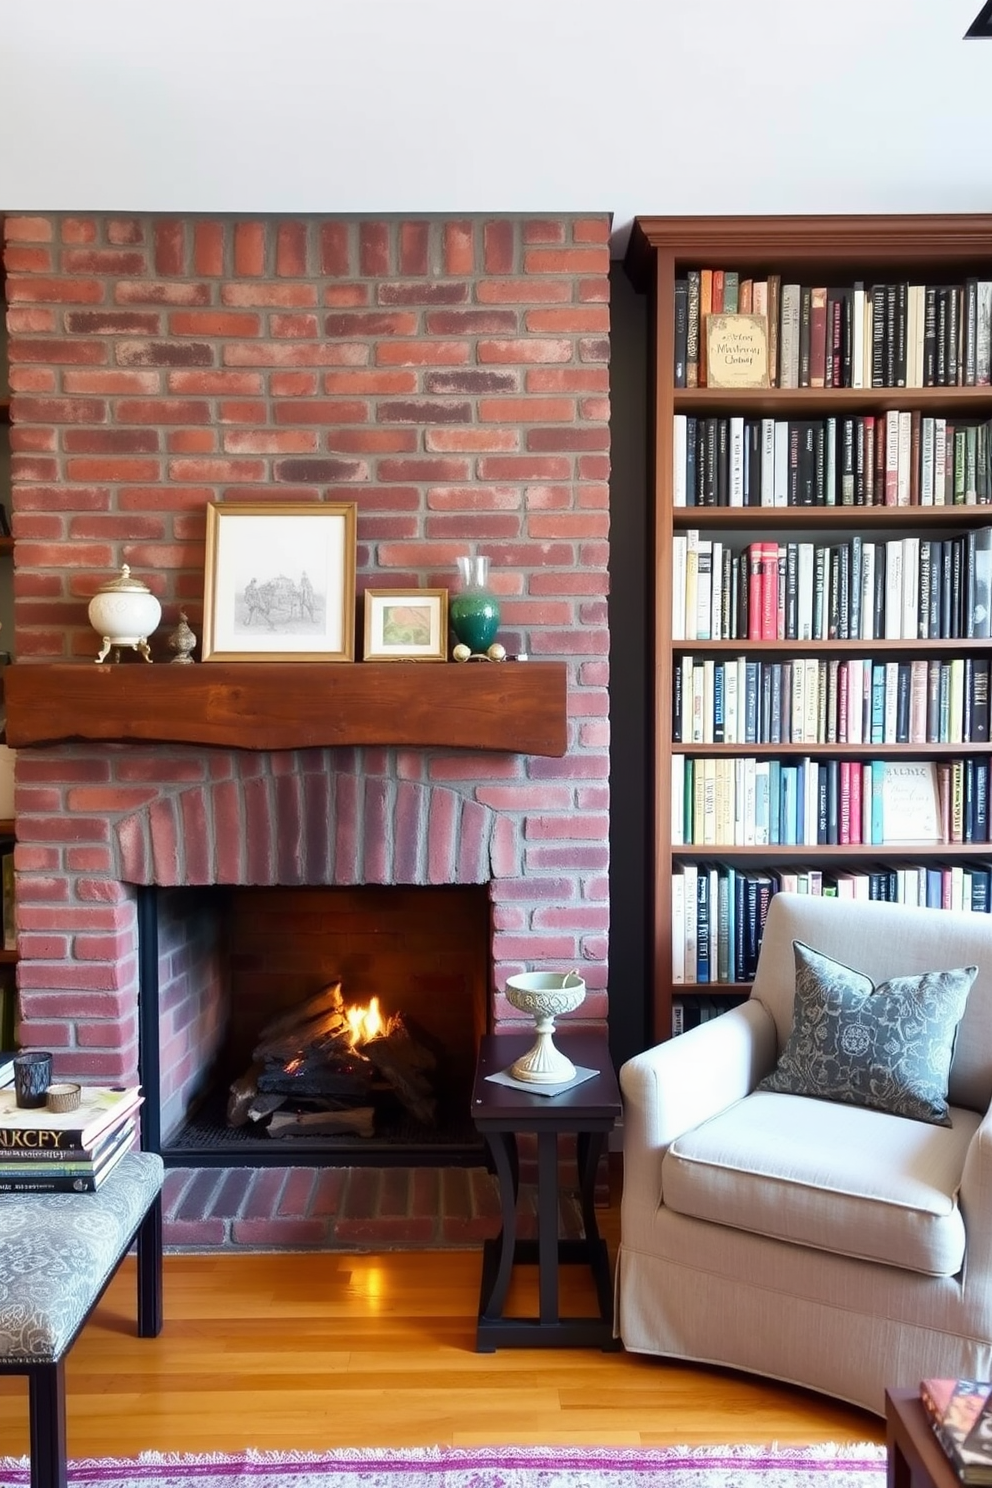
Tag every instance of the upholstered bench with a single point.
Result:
(57, 1254)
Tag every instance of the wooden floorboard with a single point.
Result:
(313, 1351)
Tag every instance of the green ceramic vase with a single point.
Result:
(474, 610)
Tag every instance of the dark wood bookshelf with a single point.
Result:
(809, 250)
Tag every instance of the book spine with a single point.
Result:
(681, 330)
(692, 329)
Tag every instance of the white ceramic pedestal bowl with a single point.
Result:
(544, 995)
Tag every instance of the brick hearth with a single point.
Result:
(344, 1208)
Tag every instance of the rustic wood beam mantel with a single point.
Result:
(518, 707)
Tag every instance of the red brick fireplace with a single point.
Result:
(451, 377)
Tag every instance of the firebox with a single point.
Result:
(248, 1001)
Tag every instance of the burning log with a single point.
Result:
(360, 1120)
(328, 1054)
(406, 1065)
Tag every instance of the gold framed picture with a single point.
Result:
(279, 582)
(406, 625)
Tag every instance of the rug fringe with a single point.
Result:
(772, 1453)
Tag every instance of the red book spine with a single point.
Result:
(769, 591)
(754, 593)
(844, 813)
(818, 338)
(857, 778)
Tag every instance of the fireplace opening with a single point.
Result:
(225, 970)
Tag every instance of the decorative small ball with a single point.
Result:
(496, 652)
(461, 652)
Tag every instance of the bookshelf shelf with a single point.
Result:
(787, 852)
(837, 751)
(962, 645)
(850, 253)
(901, 518)
(807, 402)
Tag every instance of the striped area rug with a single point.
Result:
(851, 1466)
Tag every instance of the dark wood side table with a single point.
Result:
(915, 1457)
(502, 1113)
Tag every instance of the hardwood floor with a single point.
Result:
(312, 1351)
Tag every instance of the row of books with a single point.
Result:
(881, 335)
(718, 920)
(819, 700)
(689, 1012)
(905, 588)
(749, 802)
(899, 458)
(43, 1151)
(710, 944)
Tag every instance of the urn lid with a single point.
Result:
(125, 583)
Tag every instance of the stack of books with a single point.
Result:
(43, 1151)
(960, 1412)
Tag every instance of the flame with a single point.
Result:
(365, 1023)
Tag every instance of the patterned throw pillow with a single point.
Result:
(888, 1047)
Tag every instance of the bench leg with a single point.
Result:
(150, 1272)
(46, 1405)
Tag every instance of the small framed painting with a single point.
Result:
(280, 582)
(406, 624)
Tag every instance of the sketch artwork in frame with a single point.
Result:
(280, 582)
(406, 624)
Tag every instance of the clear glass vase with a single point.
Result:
(474, 610)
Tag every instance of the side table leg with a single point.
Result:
(503, 1149)
(547, 1224)
(589, 1149)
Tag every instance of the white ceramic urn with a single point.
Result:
(124, 612)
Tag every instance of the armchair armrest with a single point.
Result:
(975, 1198)
(674, 1086)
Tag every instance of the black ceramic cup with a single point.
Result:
(32, 1077)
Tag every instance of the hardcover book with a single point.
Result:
(100, 1107)
(960, 1412)
(736, 351)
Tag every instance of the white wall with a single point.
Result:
(629, 106)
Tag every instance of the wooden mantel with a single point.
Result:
(513, 706)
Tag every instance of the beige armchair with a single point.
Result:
(825, 1244)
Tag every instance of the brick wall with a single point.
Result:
(451, 377)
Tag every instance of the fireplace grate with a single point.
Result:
(205, 1140)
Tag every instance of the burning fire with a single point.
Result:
(365, 1023)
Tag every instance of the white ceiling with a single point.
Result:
(396, 106)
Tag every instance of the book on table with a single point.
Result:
(960, 1412)
(101, 1108)
(55, 1172)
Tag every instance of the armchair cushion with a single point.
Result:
(887, 1047)
(840, 1178)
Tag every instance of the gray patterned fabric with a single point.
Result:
(58, 1250)
(887, 1047)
